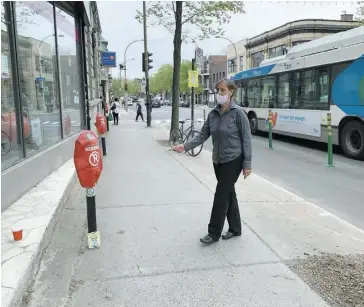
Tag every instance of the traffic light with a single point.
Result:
(149, 61)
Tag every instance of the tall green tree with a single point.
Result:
(117, 86)
(360, 12)
(182, 19)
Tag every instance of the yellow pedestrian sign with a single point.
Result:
(192, 78)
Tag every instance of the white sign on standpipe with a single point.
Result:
(199, 57)
(306, 122)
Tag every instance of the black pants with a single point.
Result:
(225, 202)
(139, 114)
(116, 118)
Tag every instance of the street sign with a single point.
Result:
(108, 59)
(39, 79)
(192, 78)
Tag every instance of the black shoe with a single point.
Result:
(228, 235)
(208, 240)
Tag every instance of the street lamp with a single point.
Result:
(126, 49)
(236, 53)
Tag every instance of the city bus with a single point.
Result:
(322, 76)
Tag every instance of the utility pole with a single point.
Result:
(146, 63)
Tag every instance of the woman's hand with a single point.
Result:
(179, 148)
(246, 172)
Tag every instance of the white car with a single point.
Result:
(129, 102)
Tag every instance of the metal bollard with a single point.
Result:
(204, 115)
(330, 155)
(107, 122)
(93, 234)
(103, 144)
(270, 125)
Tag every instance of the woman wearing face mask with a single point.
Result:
(231, 155)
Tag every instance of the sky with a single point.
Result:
(119, 28)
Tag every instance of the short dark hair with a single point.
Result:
(229, 83)
(116, 99)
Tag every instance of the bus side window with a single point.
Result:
(253, 93)
(296, 91)
(323, 89)
(268, 92)
(284, 91)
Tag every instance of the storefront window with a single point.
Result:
(69, 73)
(11, 147)
(37, 73)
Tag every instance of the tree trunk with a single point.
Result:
(177, 43)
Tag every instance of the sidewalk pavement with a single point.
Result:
(153, 205)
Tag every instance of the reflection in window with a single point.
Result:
(268, 92)
(257, 58)
(284, 91)
(231, 65)
(253, 93)
(11, 149)
(38, 86)
(69, 73)
(315, 89)
(241, 63)
(277, 51)
(323, 88)
(308, 91)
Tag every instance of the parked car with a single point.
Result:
(135, 99)
(129, 102)
(156, 103)
(168, 102)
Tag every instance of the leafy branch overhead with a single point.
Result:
(360, 12)
(200, 19)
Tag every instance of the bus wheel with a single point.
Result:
(352, 140)
(253, 123)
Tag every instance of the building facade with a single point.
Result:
(51, 87)
(276, 42)
(217, 69)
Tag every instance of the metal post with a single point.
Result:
(193, 97)
(107, 122)
(204, 115)
(330, 155)
(93, 234)
(270, 129)
(148, 103)
(103, 144)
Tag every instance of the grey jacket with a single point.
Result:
(231, 135)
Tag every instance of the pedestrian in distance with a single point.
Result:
(139, 112)
(229, 127)
(115, 108)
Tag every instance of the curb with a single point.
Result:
(37, 212)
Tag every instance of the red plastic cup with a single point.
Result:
(17, 233)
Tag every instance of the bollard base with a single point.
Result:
(94, 240)
(330, 165)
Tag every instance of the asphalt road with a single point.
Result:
(300, 167)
